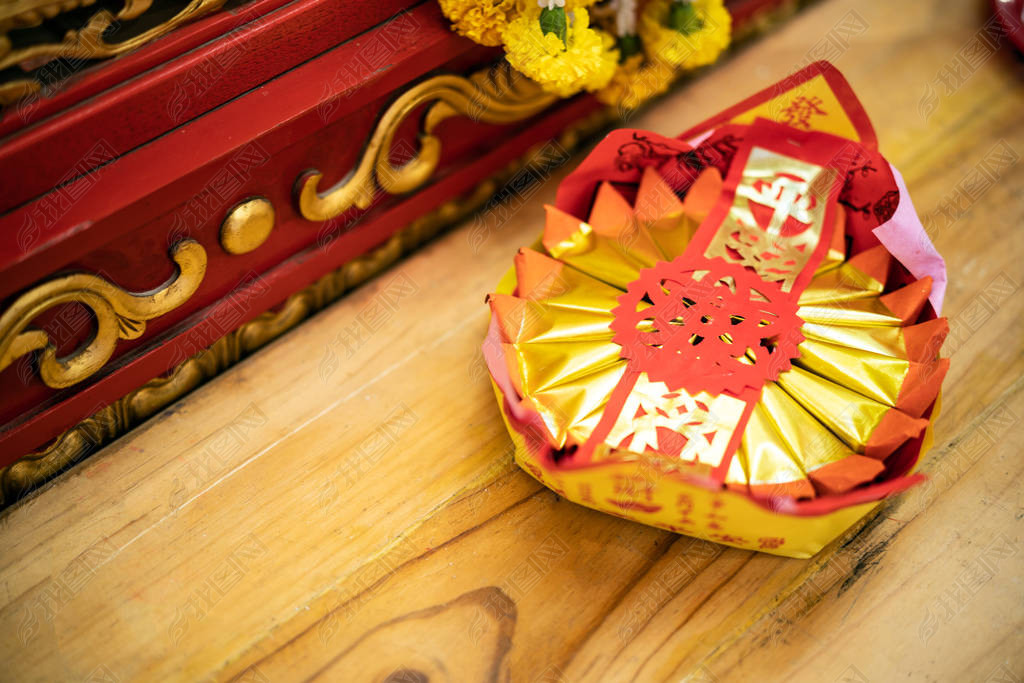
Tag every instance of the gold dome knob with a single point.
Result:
(247, 226)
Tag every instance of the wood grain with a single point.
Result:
(343, 505)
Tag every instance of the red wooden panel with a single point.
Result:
(200, 329)
(107, 74)
(250, 170)
(111, 201)
(259, 44)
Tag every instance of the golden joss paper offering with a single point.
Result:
(732, 334)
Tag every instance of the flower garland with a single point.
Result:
(687, 35)
(569, 57)
(624, 53)
(481, 22)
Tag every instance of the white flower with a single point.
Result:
(625, 17)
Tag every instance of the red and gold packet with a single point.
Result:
(713, 337)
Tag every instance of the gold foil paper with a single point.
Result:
(706, 422)
(844, 283)
(794, 189)
(875, 376)
(860, 312)
(881, 340)
(772, 468)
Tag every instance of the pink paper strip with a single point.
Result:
(905, 238)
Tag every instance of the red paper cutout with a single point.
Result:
(706, 325)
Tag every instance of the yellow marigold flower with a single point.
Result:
(586, 61)
(708, 37)
(635, 82)
(481, 21)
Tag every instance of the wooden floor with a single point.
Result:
(348, 509)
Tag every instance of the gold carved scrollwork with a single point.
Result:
(494, 95)
(119, 315)
(86, 43)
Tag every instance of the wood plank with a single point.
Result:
(354, 513)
